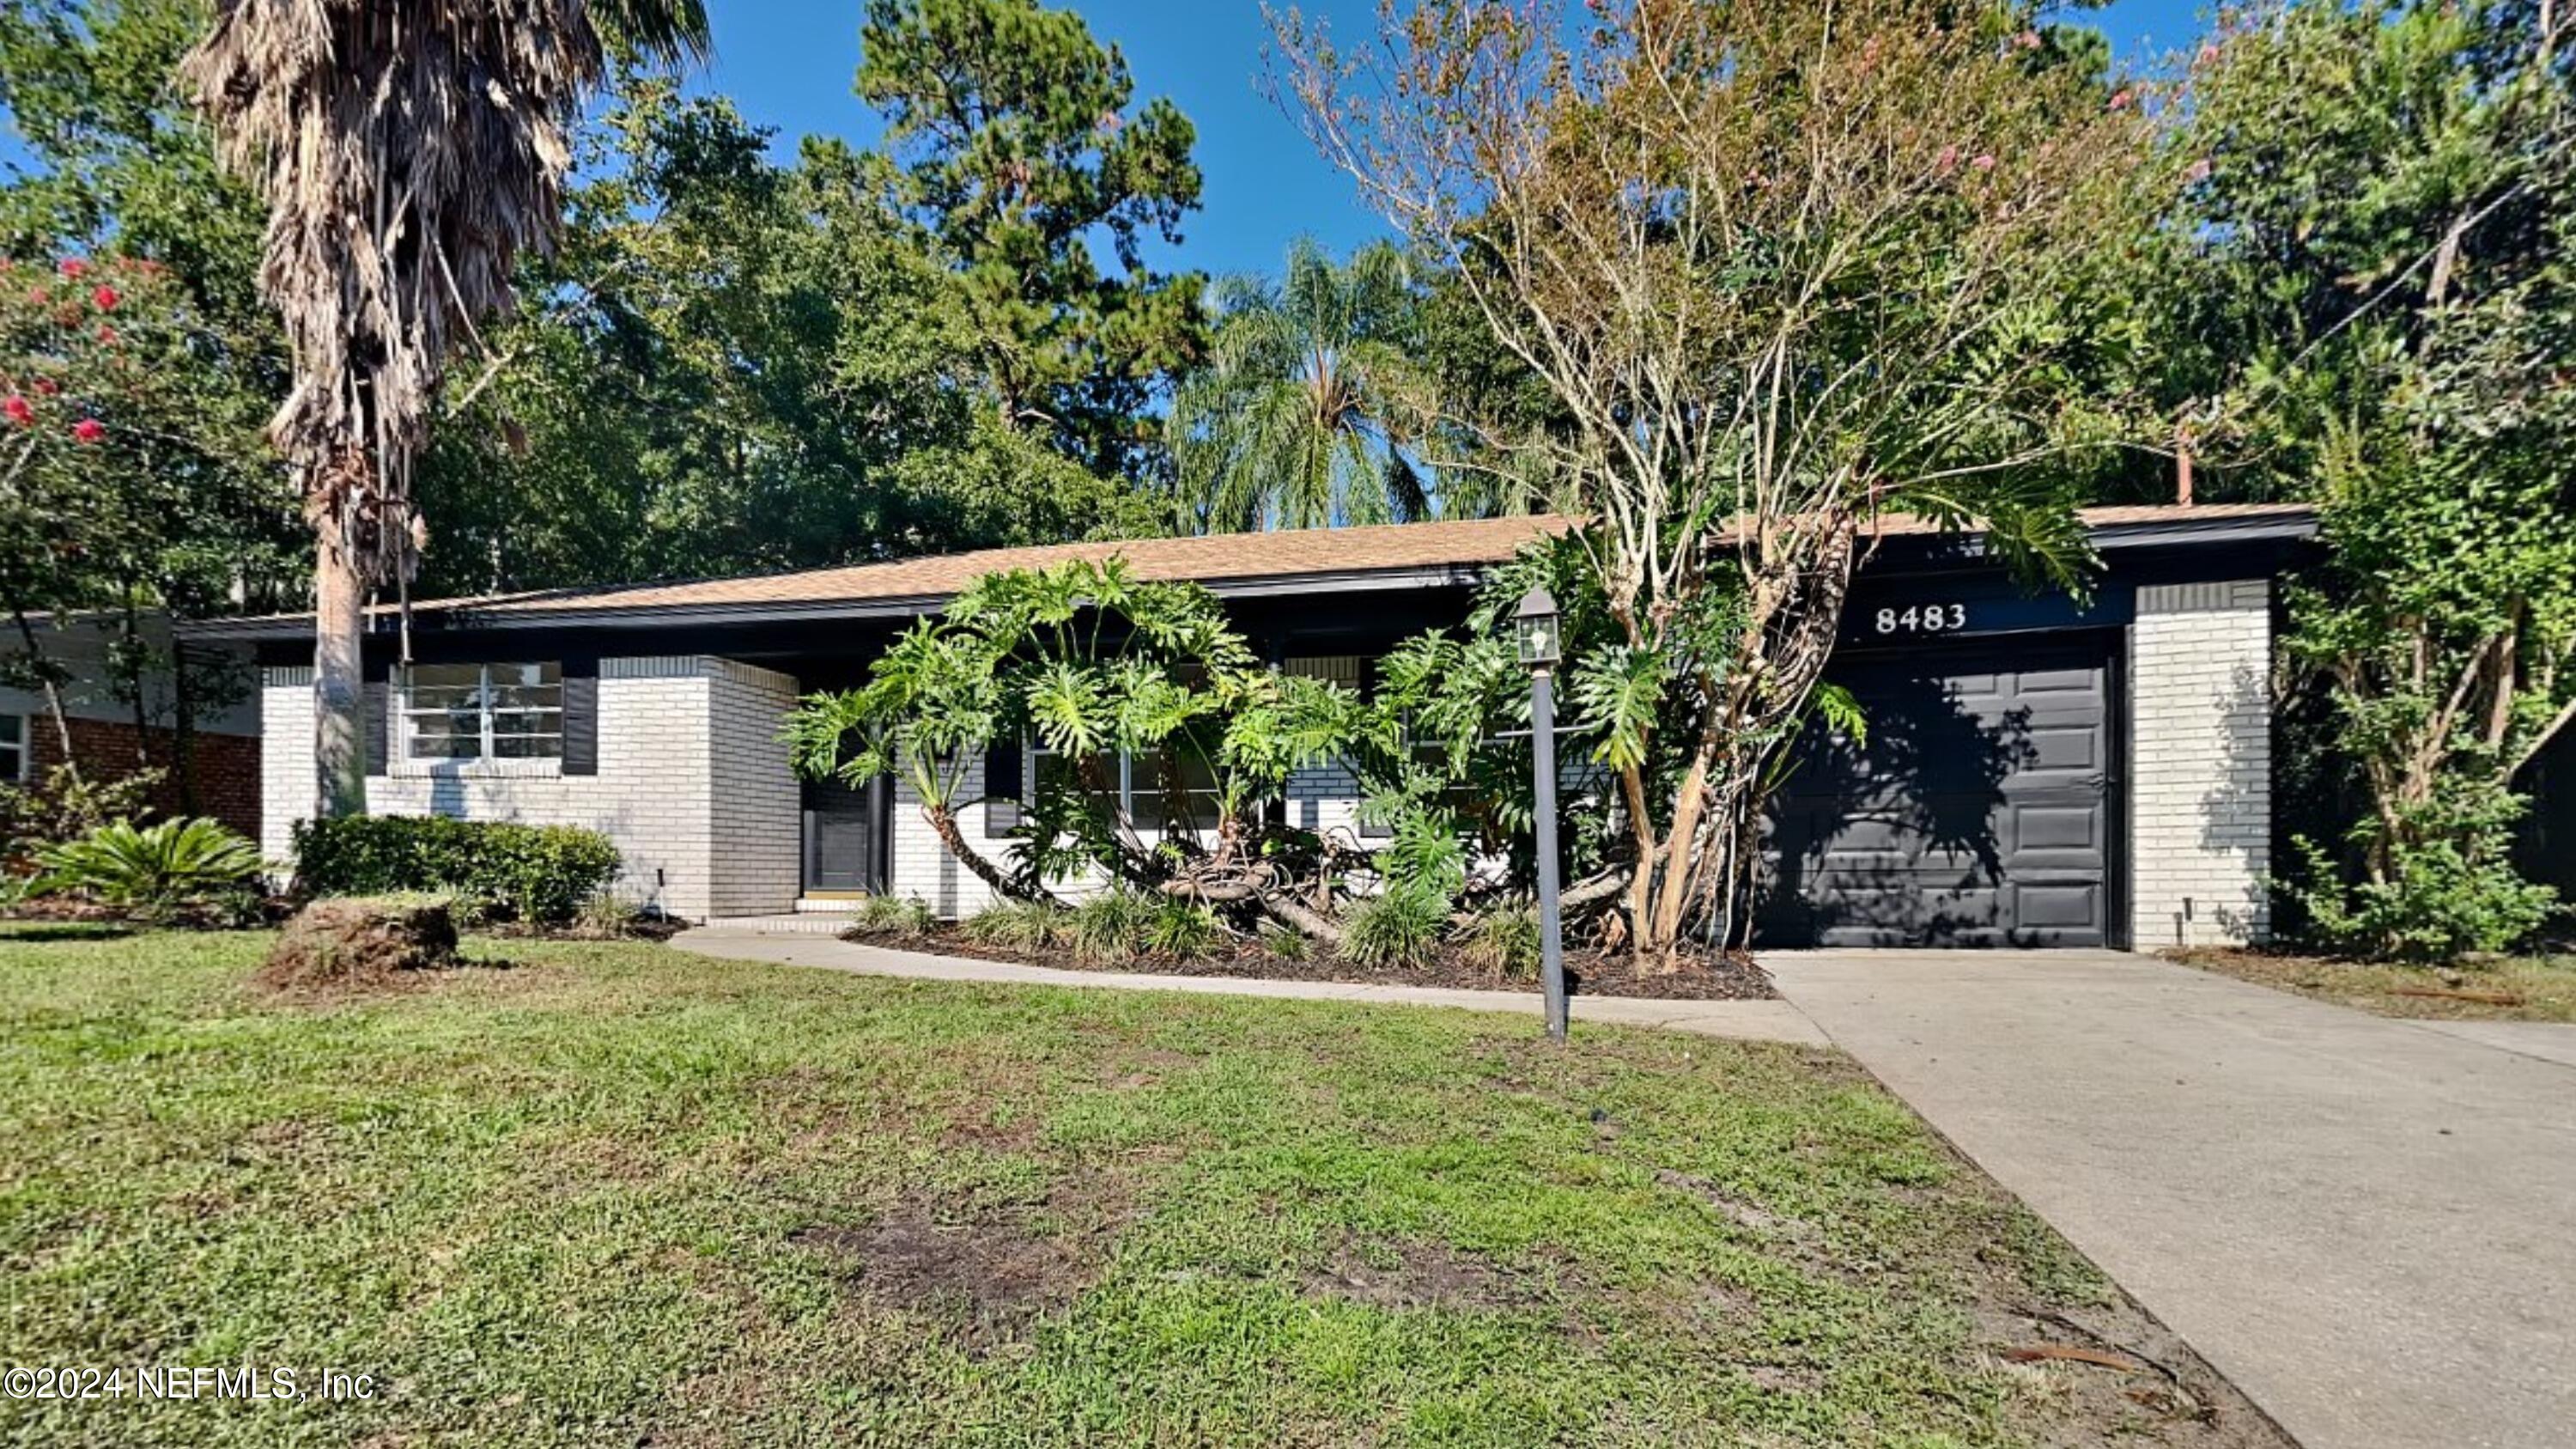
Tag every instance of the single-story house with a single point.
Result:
(2041, 769)
(204, 740)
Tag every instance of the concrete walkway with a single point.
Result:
(2369, 1225)
(1741, 1020)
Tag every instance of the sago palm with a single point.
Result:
(410, 152)
(1305, 415)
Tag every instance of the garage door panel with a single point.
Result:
(2070, 829)
(2062, 745)
(2056, 907)
(1976, 811)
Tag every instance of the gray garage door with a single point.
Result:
(1978, 813)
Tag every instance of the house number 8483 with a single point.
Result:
(1922, 619)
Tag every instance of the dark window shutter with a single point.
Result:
(1001, 787)
(377, 704)
(580, 717)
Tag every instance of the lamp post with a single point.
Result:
(1540, 647)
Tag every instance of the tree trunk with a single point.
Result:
(943, 823)
(53, 689)
(339, 685)
(1300, 917)
(183, 728)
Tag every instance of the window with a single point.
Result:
(483, 712)
(16, 757)
(1342, 669)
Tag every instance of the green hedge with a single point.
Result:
(531, 872)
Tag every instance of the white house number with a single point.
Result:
(1923, 619)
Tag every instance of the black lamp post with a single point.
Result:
(1540, 646)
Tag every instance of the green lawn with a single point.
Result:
(2514, 988)
(623, 1195)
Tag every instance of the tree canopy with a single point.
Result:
(1022, 143)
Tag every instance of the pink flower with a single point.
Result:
(2208, 53)
(1983, 162)
(106, 335)
(19, 410)
(1947, 161)
(48, 386)
(2199, 171)
(89, 430)
(72, 267)
(106, 297)
(2120, 99)
(2027, 40)
(35, 294)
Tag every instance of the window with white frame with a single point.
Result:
(17, 751)
(453, 712)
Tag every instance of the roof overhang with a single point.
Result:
(2274, 528)
(671, 616)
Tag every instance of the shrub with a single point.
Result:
(1182, 928)
(1503, 942)
(158, 871)
(2449, 886)
(1285, 944)
(1110, 926)
(2439, 904)
(1016, 925)
(1399, 928)
(535, 873)
(902, 917)
(69, 805)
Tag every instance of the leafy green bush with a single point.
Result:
(1285, 944)
(68, 805)
(1016, 925)
(1110, 926)
(534, 873)
(159, 871)
(1181, 928)
(1400, 927)
(1504, 942)
(904, 917)
(2441, 900)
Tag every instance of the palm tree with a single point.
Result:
(1312, 403)
(410, 151)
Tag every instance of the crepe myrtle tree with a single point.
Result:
(132, 478)
(1095, 665)
(1781, 270)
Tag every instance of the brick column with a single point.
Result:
(2200, 764)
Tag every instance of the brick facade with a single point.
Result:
(693, 786)
(2200, 773)
(221, 779)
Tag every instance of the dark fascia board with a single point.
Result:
(2157, 534)
(667, 616)
(2120, 537)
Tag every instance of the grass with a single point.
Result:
(621, 1194)
(2545, 985)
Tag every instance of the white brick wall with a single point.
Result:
(921, 867)
(693, 785)
(2200, 751)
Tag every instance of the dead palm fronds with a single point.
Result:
(410, 152)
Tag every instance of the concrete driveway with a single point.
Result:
(2369, 1225)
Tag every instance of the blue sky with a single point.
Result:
(788, 65)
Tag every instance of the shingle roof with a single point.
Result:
(1206, 558)
(1236, 559)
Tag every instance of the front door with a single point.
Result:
(847, 830)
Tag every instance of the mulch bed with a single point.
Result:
(1731, 976)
